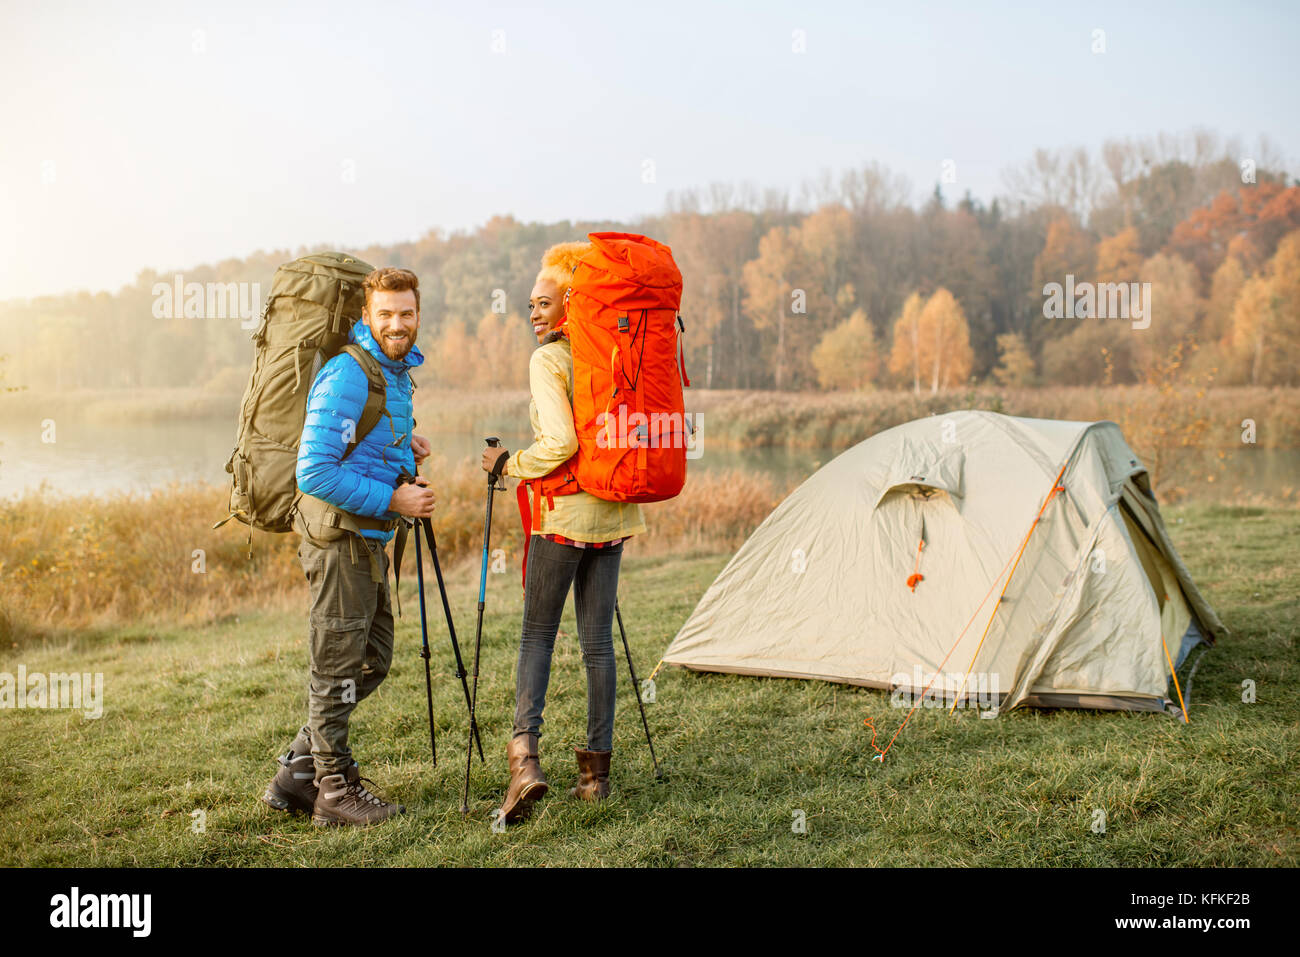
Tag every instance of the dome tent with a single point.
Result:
(1028, 555)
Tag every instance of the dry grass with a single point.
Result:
(71, 564)
(750, 419)
(77, 563)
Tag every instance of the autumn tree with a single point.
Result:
(1266, 319)
(1175, 309)
(1015, 368)
(905, 356)
(943, 324)
(711, 249)
(847, 357)
(768, 291)
(954, 252)
(1225, 287)
(1067, 251)
(799, 284)
(932, 342)
(1118, 257)
(1248, 224)
(1284, 280)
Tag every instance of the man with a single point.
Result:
(347, 513)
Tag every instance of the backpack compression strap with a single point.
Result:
(547, 487)
(376, 396)
(528, 521)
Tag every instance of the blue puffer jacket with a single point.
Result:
(363, 483)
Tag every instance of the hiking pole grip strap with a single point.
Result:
(494, 442)
(500, 464)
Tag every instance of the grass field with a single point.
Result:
(193, 717)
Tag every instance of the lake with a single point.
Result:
(106, 458)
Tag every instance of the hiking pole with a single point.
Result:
(451, 628)
(407, 478)
(636, 688)
(493, 442)
(424, 642)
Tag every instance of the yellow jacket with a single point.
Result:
(581, 516)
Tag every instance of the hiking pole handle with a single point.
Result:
(494, 476)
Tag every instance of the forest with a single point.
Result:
(850, 285)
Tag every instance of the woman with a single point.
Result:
(578, 542)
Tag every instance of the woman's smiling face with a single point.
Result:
(545, 307)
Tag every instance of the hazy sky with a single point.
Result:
(168, 134)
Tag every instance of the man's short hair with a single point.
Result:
(392, 279)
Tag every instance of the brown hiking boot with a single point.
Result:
(593, 775)
(527, 782)
(343, 799)
(294, 786)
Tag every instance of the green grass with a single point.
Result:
(195, 715)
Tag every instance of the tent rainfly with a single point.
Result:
(993, 560)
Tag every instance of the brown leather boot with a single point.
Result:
(527, 782)
(593, 775)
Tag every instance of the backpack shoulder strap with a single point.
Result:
(376, 394)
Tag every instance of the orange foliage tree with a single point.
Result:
(932, 343)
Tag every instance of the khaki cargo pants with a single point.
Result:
(351, 641)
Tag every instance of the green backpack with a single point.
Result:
(313, 303)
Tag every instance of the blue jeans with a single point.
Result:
(593, 573)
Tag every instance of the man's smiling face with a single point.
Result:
(393, 319)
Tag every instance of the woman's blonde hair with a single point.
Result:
(559, 262)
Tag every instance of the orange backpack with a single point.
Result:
(628, 372)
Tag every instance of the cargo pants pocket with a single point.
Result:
(338, 646)
(343, 601)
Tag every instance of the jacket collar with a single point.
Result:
(361, 336)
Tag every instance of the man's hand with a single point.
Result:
(421, 447)
(490, 457)
(414, 499)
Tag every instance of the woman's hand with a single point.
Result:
(490, 457)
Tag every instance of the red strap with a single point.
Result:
(681, 358)
(531, 518)
(525, 518)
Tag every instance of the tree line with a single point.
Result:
(850, 286)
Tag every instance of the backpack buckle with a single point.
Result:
(622, 323)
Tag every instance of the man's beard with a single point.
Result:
(388, 348)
